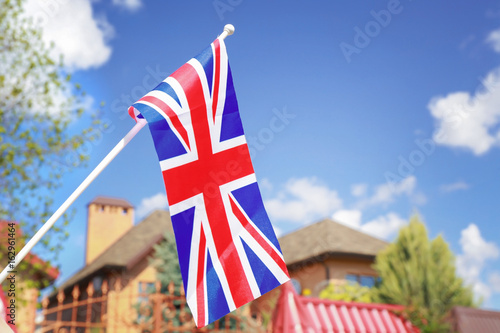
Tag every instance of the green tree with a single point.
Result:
(166, 262)
(420, 274)
(348, 292)
(38, 103)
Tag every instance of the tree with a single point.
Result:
(166, 261)
(420, 274)
(38, 103)
(348, 292)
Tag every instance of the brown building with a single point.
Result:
(108, 220)
(328, 251)
(118, 267)
(470, 320)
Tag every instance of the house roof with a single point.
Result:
(129, 248)
(470, 320)
(327, 238)
(296, 313)
(323, 238)
(109, 201)
(40, 268)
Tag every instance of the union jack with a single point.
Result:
(228, 251)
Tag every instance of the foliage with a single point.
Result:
(420, 274)
(166, 261)
(348, 292)
(38, 103)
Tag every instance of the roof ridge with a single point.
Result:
(111, 201)
(145, 231)
(328, 237)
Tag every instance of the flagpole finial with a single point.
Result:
(228, 30)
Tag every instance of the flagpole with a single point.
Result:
(12, 264)
(228, 30)
(10, 269)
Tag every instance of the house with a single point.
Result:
(118, 272)
(322, 253)
(116, 260)
(326, 252)
(296, 313)
(23, 288)
(116, 249)
(470, 320)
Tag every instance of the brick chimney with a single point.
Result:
(108, 219)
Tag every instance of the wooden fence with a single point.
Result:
(155, 309)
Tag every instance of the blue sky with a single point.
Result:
(385, 109)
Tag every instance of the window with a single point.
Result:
(144, 289)
(144, 307)
(296, 286)
(97, 281)
(363, 280)
(367, 281)
(124, 211)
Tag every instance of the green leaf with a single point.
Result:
(420, 274)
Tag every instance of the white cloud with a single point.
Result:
(358, 190)
(481, 291)
(76, 33)
(454, 187)
(386, 193)
(494, 40)
(303, 200)
(470, 263)
(494, 280)
(265, 184)
(148, 205)
(277, 231)
(307, 199)
(351, 218)
(469, 121)
(384, 226)
(131, 5)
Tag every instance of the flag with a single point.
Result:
(228, 252)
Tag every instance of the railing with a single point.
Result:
(160, 309)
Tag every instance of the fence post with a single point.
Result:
(157, 308)
(75, 294)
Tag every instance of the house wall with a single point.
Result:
(105, 225)
(313, 277)
(26, 304)
(121, 303)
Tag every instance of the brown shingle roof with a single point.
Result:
(469, 320)
(108, 201)
(127, 248)
(327, 237)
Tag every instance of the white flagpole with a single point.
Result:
(11, 266)
(228, 30)
(10, 269)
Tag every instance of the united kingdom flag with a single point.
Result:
(228, 251)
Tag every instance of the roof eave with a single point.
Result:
(328, 255)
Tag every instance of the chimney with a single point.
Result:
(108, 219)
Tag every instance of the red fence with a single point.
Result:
(158, 310)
